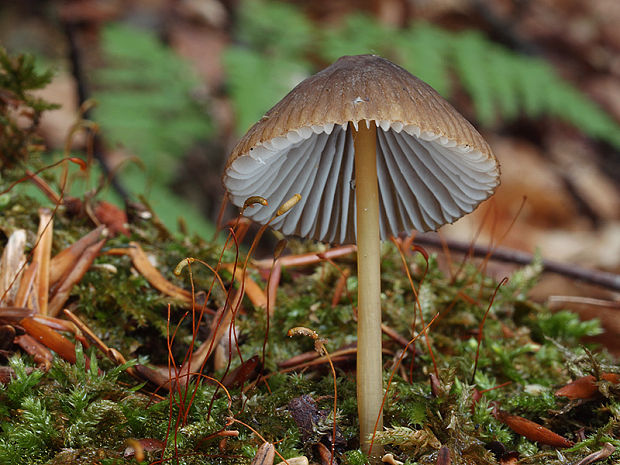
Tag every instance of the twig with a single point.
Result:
(75, 57)
(502, 254)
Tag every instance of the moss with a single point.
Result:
(91, 413)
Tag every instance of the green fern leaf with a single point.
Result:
(145, 101)
(260, 25)
(423, 50)
(470, 59)
(256, 82)
(503, 85)
(359, 34)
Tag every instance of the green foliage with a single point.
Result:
(536, 405)
(278, 75)
(503, 85)
(523, 280)
(19, 76)
(355, 457)
(147, 101)
(260, 24)
(23, 382)
(84, 373)
(84, 412)
(423, 50)
(567, 326)
(85, 408)
(270, 58)
(29, 439)
(76, 405)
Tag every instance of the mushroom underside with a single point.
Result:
(425, 181)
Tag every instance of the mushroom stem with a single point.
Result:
(369, 363)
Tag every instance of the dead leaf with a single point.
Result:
(532, 431)
(265, 455)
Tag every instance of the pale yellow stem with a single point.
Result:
(369, 364)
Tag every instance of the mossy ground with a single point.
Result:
(79, 414)
(85, 413)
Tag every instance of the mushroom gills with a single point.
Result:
(425, 180)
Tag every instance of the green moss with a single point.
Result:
(91, 408)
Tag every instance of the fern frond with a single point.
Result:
(145, 100)
(257, 81)
(423, 49)
(146, 103)
(470, 63)
(502, 84)
(275, 28)
(358, 34)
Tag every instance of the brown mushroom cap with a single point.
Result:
(433, 166)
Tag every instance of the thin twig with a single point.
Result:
(83, 94)
(502, 254)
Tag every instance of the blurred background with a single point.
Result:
(173, 84)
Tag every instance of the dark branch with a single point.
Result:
(83, 94)
(502, 254)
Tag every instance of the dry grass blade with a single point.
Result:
(298, 359)
(50, 338)
(340, 287)
(252, 289)
(57, 324)
(75, 275)
(299, 260)
(42, 257)
(605, 452)
(561, 301)
(154, 376)
(152, 275)
(26, 285)
(337, 356)
(325, 454)
(62, 325)
(265, 455)
(308, 258)
(11, 265)
(443, 456)
(532, 431)
(41, 354)
(585, 387)
(247, 370)
(15, 313)
(65, 260)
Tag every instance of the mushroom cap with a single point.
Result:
(433, 166)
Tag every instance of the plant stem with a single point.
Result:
(369, 363)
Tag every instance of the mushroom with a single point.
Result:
(374, 152)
